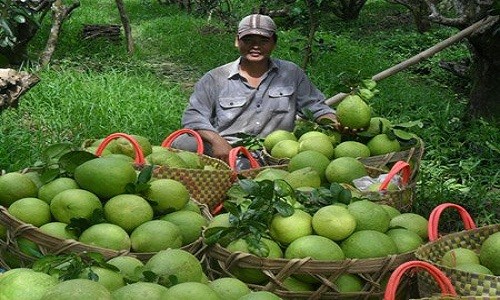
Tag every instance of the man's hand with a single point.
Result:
(220, 147)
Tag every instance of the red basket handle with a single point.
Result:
(168, 141)
(233, 157)
(436, 213)
(139, 156)
(399, 166)
(444, 282)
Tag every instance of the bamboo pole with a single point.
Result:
(423, 55)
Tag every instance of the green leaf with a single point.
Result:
(345, 196)
(402, 135)
(145, 174)
(70, 160)
(284, 208)
(56, 151)
(257, 246)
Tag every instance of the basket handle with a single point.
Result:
(399, 166)
(233, 157)
(139, 156)
(436, 213)
(442, 280)
(168, 141)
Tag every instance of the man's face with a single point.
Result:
(255, 48)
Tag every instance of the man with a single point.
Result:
(255, 94)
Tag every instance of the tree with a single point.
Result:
(419, 11)
(484, 47)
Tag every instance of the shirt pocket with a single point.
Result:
(281, 98)
(231, 108)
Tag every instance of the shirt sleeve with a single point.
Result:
(309, 97)
(201, 106)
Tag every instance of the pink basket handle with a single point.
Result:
(399, 166)
(436, 213)
(442, 280)
(168, 141)
(139, 156)
(233, 157)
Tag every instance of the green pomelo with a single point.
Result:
(220, 220)
(315, 246)
(351, 149)
(110, 147)
(74, 203)
(156, 235)
(166, 157)
(190, 291)
(15, 186)
(78, 289)
(191, 205)
(369, 216)
(260, 295)
(128, 266)
(190, 223)
(378, 125)
(490, 253)
(305, 177)
(285, 149)
(35, 177)
(112, 280)
(318, 143)
(59, 230)
(229, 288)
(296, 285)
(175, 262)
(457, 256)
(128, 211)
(276, 136)
(334, 222)
(140, 290)
(191, 159)
(345, 170)
(49, 190)
(25, 284)
(353, 112)
(348, 283)
(106, 235)
(381, 144)
(474, 268)
(391, 210)
(311, 134)
(168, 194)
(287, 229)
(123, 146)
(312, 159)
(405, 239)
(271, 174)
(368, 244)
(413, 222)
(105, 177)
(31, 210)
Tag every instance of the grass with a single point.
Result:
(93, 88)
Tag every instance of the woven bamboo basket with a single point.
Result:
(465, 283)
(374, 271)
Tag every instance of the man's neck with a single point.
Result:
(253, 71)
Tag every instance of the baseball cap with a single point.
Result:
(256, 24)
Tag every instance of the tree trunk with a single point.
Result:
(485, 73)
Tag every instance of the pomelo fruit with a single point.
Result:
(128, 266)
(156, 235)
(190, 291)
(59, 230)
(128, 211)
(378, 125)
(369, 216)
(31, 210)
(381, 144)
(351, 149)
(48, 191)
(287, 229)
(285, 149)
(474, 268)
(413, 222)
(106, 235)
(112, 280)
(334, 222)
(166, 157)
(74, 203)
(191, 159)
(276, 136)
(191, 205)
(317, 143)
(229, 288)
(168, 194)
(35, 177)
(458, 256)
(313, 133)
(271, 174)
(368, 244)
(353, 112)
(490, 253)
(175, 262)
(140, 290)
(190, 224)
(315, 246)
(406, 240)
(14, 186)
(295, 285)
(305, 177)
(260, 295)
(25, 284)
(312, 159)
(345, 170)
(123, 145)
(105, 176)
(77, 289)
(347, 283)
(391, 210)
(220, 220)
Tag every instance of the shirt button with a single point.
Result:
(231, 103)
(258, 106)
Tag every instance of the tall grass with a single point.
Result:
(93, 88)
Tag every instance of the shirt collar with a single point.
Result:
(234, 70)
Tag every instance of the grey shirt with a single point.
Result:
(224, 102)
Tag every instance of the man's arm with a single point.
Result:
(220, 147)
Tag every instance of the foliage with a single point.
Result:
(13, 13)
